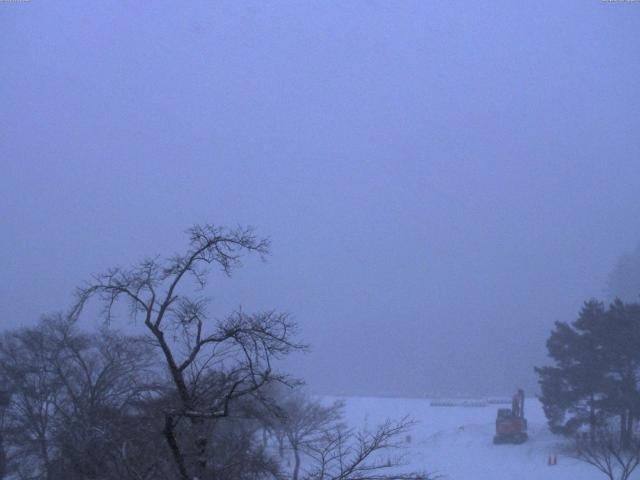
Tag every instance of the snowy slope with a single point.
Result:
(456, 442)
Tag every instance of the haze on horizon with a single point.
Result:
(441, 181)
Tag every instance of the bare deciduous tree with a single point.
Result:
(605, 452)
(345, 454)
(301, 420)
(72, 398)
(240, 348)
(103, 380)
(33, 389)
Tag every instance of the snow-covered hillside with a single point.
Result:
(456, 442)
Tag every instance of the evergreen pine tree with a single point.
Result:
(596, 372)
(572, 389)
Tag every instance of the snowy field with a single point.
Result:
(456, 442)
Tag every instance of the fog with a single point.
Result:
(440, 181)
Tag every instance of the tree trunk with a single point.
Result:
(201, 443)
(592, 420)
(296, 467)
(169, 435)
(281, 446)
(45, 459)
(623, 430)
(3, 458)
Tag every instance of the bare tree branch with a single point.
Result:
(241, 345)
(604, 451)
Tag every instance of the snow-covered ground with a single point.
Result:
(456, 442)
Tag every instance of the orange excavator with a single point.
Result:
(511, 426)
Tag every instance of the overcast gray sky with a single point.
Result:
(440, 180)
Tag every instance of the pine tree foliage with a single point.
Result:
(594, 380)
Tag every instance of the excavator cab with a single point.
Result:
(511, 426)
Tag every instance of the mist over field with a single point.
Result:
(319, 240)
(440, 181)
